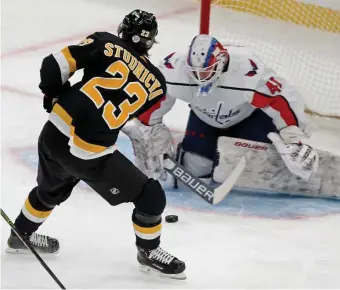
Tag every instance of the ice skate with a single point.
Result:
(41, 243)
(161, 262)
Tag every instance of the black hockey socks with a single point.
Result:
(33, 214)
(147, 229)
(147, 216)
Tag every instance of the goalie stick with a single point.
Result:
(208, 193)
(10, 223)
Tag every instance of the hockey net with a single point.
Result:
(300, 41)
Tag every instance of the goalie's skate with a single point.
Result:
(41, 243)
(160, 262)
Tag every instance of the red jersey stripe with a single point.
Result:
(145, 117)
(278, 103)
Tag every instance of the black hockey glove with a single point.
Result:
(48, 103)
(49, 100)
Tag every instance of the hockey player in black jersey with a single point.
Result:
(78, 141)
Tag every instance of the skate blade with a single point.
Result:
(27, 251)
(151, 271)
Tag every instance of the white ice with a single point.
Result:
(97, 241)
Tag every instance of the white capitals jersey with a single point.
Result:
(245, 86)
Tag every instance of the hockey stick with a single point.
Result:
(209, 194)
(9, 222)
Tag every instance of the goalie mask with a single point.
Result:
(206, 60)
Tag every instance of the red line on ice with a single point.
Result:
(20, 92)
(80, 36)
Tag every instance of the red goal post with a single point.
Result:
(205, 16)
(299, 40)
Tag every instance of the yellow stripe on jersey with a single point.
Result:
(70, 60)
(35, 212)
(85, 145)
(78, 147)
(57, 109)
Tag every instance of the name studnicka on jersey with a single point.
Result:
(139, 70)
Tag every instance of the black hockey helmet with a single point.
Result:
(139, 28)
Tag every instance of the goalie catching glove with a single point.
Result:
(149, 143)
(300, 158)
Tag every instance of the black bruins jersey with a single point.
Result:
(118, 84)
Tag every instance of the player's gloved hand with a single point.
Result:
(48, 103)
(50, 98)
(301, 159)
(150, 143)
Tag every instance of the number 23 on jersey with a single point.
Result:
(126, 107)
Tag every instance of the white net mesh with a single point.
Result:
(300, 42)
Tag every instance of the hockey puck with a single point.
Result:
(171, 218)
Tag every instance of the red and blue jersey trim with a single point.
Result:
(167, 62)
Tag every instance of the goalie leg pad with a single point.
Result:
(198, 165)
(228, 157)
